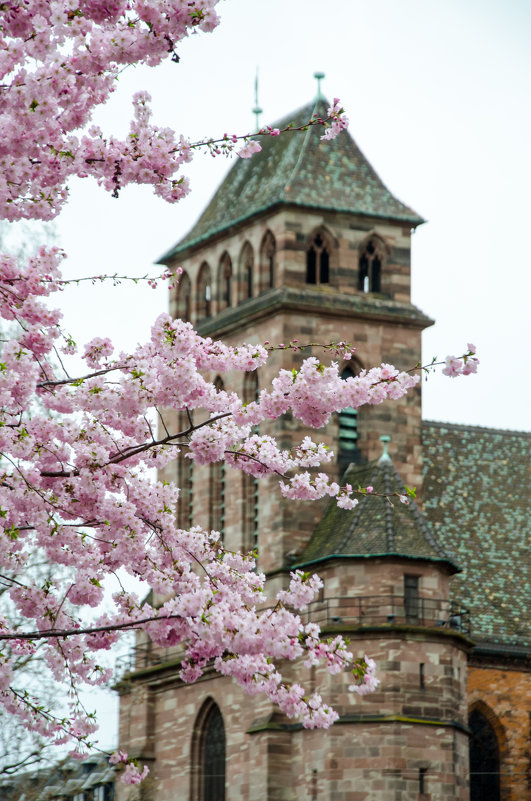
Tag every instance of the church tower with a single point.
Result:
(304, 242)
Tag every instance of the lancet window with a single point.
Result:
(204, 292)
(250, 483)
(209, 755)
(185, 480)
(318, 261)
(217, 487)
(370, 266)
(225, 282)
(184, 298)
(246, 272)
(484, 759)
(267, 262)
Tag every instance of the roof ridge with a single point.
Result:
(486, 429)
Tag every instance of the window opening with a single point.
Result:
(204, 293)
(348, 429)
(250, 483)
(317, 262)
(267, 262)
(246, 271)
(422, 781)
(185, 468)
(209, 756)
(217, 488)
(184, 298)
(422, 684)
(370, 268)
(484, 759)
(411, 598)
(225, 283)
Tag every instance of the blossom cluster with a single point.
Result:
(58, 61)
(76, 450)
(463, 365)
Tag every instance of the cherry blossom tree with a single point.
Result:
(74, 484)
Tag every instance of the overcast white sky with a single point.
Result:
(438, 95)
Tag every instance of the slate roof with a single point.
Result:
(476, 500)
(298, 169)
(375, 528)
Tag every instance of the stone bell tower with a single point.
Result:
(304, 242)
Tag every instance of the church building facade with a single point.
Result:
(304, 242)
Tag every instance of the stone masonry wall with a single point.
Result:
(503, 696)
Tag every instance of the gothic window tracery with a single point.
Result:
(267, 262)
(370, 266)
(184, 298)
(204, 292)
(216, 512)
(484, 759)
(209, 755)
(246, 272)
(225, 282)
(185, 481)
(318, 261)
(250, 483)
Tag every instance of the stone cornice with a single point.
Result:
(323, 301)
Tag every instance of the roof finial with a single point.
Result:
(256, 110)
(384, 439)
(319, 77)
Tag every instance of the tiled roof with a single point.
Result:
(374, 527)
(300, 169)
(476, 499)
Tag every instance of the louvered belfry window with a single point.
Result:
(348, 430)
(213, 757)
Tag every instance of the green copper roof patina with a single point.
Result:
(476, 500)
(298, 169)
(375, 527)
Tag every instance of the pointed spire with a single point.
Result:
(319, 77)
(384, 439)
(256, 110)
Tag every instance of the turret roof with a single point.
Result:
(377, 526)
(298, 169)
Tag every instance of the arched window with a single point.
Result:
(184, 298)
(370, 266)
(246, 272)
(267, 262)
(484, 759)
(185, 480)
(250, 483)
(209, 755)
(225, 282)
(318, 261)
(348, 429)
(216, 512)
(204, 292)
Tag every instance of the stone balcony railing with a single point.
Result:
(356, 612)
(378, 610)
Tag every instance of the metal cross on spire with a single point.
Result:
(256, 110)
(319, 77)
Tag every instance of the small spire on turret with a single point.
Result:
(384, 439)
(256, 110)
(319, 77)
